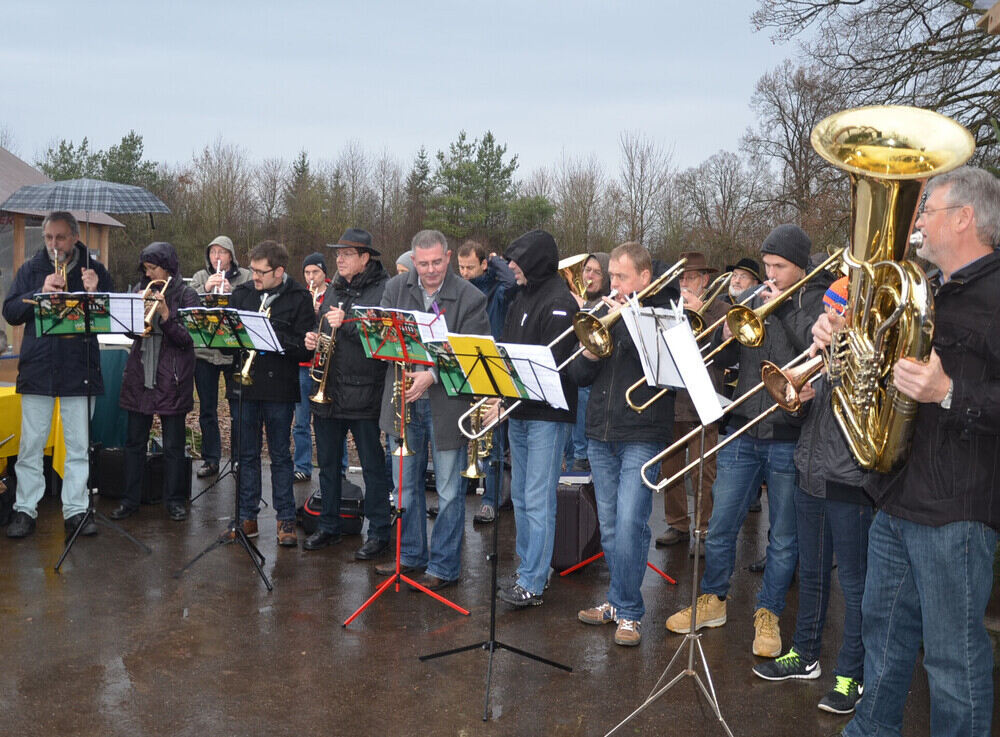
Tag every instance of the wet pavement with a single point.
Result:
(116, 645)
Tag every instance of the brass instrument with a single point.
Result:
(319, 368)
(245, 376)
(594, 333)
(806, 376)
(889, 152)
(148, 298)
(60, 267)
(218, 272)
(785, 384)
(316, 295)
(571, 269)
(480, 448)
(696, 318)
(399, 386)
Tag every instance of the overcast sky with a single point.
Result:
(278, 77)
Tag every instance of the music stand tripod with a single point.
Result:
(92, 514)
(393, 334)
(237, 534)
(692, 639)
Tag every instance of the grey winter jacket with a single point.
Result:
(236, 275)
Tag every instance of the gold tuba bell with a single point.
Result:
(571, 269)
(889, 152)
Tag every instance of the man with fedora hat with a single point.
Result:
(693, 282)
(354, 389)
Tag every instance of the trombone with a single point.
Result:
(796, 375)
(697, 317)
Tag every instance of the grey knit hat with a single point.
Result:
(790, 242)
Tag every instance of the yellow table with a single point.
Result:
(10, 424)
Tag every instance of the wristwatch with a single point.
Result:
(946, 402)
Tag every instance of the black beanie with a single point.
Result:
(315, 259)
(790, 242)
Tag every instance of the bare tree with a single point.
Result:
(7, 139)
(927, 53)
(222, 192)
(539, 184)
(390, 211)
(579, 187)
(354, 168)
(644, 170)
(269, 182)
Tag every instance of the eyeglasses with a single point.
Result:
(259, 272)
(346, 253)
(925, 211)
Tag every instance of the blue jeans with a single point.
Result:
(740, 467)
(623, 507)
(206, 383)
(276, 419)
(330, 434)
(535, 464)
(443, 557)
(302, 432)
(580, 428)
(931, 585)
(825, 527)
(494, 467)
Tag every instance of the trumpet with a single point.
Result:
(797, 379)
(399, 386)
(218, 272)
(244, 376)
(479, 449)
(316, 295)
(319, 370)
(148, 298)
(60, 267)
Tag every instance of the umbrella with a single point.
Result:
(91, 195)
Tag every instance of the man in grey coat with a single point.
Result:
(431, 287)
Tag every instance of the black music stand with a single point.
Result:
(87, 305)
(392, 335)
(492, 644)
(235, 328)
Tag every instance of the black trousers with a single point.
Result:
(173, 458)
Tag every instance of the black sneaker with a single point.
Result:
(519, 597)
(789, 665)
(70, 525)
(22, 525)
(844, 696)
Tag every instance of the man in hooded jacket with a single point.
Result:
(541, 311)
(222, 274)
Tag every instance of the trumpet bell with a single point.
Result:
(402, 450)
(785, 386)
(474, 470)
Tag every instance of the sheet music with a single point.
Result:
(645, 325)
(536, 366)
(684, 351)
(128, 313)
(261, 332)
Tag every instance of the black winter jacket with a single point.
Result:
(788, 332)
(355, 381)
(54, 366)
(952, 472)
(276, 375)
(542, 309)
(172, 393)
(609, 418)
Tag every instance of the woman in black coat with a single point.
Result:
(159, 379)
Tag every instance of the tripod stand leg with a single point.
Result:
(256, 557)
(101, 519)
(217, 543)
(88, 516)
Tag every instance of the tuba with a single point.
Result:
(889, 152)
(571, 269)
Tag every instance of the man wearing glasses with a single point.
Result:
(269, 402)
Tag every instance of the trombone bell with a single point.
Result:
(784, 386)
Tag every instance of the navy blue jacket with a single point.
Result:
(48, 365)
(497, 283)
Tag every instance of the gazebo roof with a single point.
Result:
(15, 173)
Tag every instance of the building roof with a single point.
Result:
(15, 173)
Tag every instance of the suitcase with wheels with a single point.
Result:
(578, 536)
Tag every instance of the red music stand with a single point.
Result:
(390, 327)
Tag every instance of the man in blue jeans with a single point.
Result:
(763, 452)
(433, 418)
(269, 402)
(542, 310)
(932, 544)
(620, 442)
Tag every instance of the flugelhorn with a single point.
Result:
(479, 449)
(245, 375)
(147, 296)
(594, 333)
(571, 269)
(319, 368)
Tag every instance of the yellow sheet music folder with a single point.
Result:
(480, 359)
